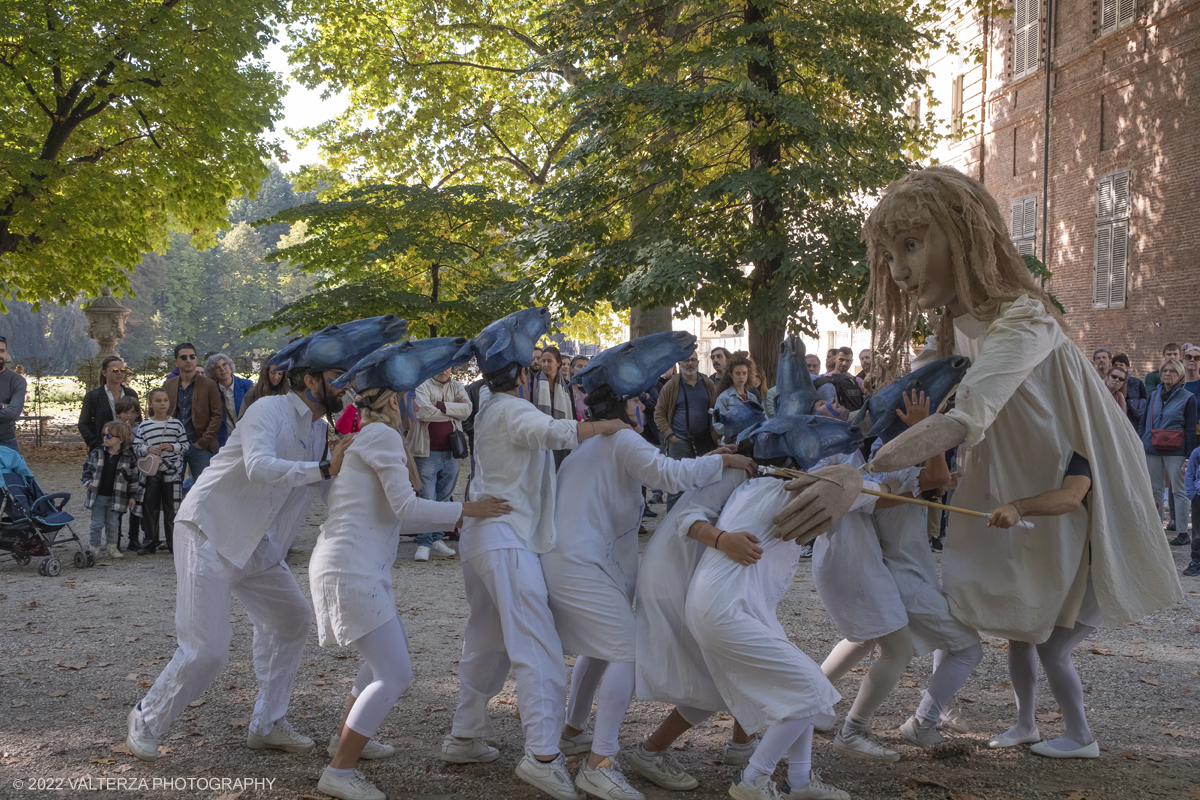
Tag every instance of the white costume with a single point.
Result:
(855, 585)
(670, 664)
(510, 621)
(593, 568)
(371, 502)
(1035, 397)
(232, 534)
(762, 676)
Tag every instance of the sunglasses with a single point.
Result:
(191, 357)
(116, 369)
(109, 436)
(1191, 358)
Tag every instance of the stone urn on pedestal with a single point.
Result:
(106, 324)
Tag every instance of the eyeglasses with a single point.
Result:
(1191, 358)
(1115, 378)
(191, 357)
(109, 436)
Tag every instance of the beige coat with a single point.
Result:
(1030, 400)
(452, 395)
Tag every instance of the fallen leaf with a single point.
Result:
(1129, 754)
(229, 796)
(164, 750)
(1097, 651)
(919, 781)
(70, 664)
(103, 761)
(909, 685)
(131, 639)
(197, 703)
(1194, 794)
(19, 703)
(713, 762)
(122, 768)
(1151, 681)
(1151, 628)
(1176, 734)
(59, 693)
(1154, 757)
(133, 676)
(101, 696)
(1075, 794)
(1139, 640)
(1052, 716)
(437, 708)
(239, 722)
(120, 748)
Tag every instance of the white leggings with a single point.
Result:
(1065, 685)
(615, 684)
(950, 671)
(385, 674)
(792, 737)
(895, 651)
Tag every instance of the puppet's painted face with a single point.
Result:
(920, 262)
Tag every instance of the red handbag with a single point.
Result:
(1163, 439)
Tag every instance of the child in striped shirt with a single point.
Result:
(164, 436)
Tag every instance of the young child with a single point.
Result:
(111, 477)
(129, 411)
(164, 436)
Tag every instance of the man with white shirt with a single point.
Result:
(510, 623)
(231, 537)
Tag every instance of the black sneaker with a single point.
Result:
(1180, 540)
(1171, 526)
(1193, 569)
(650, 513)
(936, 544)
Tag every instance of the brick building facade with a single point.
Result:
(1123, 211)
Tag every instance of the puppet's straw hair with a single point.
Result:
(987, 269)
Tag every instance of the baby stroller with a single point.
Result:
(31, 521)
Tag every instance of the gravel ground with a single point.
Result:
(78, 650)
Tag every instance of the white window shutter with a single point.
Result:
(1120, 261)
(1033, 51)
(1120, 195)
(1108, 15)
(1019, 48)
(1027, 247)
(1104, 197)
(1029, 218)
(1017, 227)
(1103, 278)
(1124, 14)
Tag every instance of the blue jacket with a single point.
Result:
(1192, 476)
(1137, 399)
(240, 387)
(1179, 413)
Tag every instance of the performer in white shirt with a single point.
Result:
(371, 502)
(232, 535)
(592, 570)
(1028, 404)
(510, 623)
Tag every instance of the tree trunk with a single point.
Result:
(433, 295)
(643, 321)
(766, 213)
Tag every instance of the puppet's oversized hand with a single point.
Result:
(821, 504)
(929, 437)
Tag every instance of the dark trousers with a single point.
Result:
(160, 496)
(680, 449)
(1196, 528)
(135, 527)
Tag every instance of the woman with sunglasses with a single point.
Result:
(100, 404)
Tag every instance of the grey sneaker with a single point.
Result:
(442, 550)
(552, 778)
(139, 740)
(467, 751)
(922, 735)
(738, 755)
(352, 787)
(372, 751)
(579, 743)
(282, 737)
(860, 744)
(606, 782)
(815, 789)
(761, 789)
(661, 768)
(953, 719)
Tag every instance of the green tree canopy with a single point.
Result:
(727, 154)
(429, 255)
(120, 122)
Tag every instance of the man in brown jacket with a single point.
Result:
(196, 402)
(682, 414)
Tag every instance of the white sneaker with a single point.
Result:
(139, 740)
(606, 782)
(806, 551)
(761, 789)
(661, 768)
(372, 751)
(552, 778)
(815, 789)
(352, 787)
(738, 755)
(422, 554)
(921, 734)
(860, 744)
(442, 550)
(113, 552)
(98, 553)
(953, 719)
(467, 751)
(282, 737)
(579, 743)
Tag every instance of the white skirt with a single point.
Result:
(856, 587)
